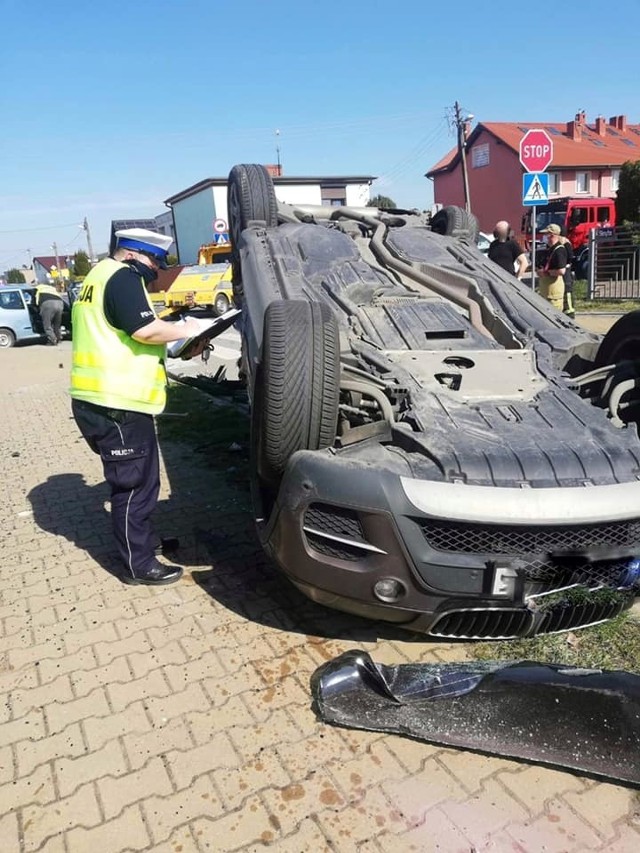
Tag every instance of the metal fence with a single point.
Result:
(614, 263)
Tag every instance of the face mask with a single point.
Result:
(148, 274)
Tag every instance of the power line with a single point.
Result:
(44, 228)
(401, 166)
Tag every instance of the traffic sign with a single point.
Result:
(535, 189)
(220, 239)
(536, 150)
(219, 226)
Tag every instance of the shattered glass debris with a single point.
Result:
(567, 717)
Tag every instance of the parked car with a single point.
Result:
(432, 443)
(484, 241)
(19, 318)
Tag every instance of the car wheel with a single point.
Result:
(622, 341)
(251, 196)
(7, 338)
(221, 304)
(299, 384)
(453, 221)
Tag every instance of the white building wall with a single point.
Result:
(358, 194)
(298, 193)
(220, 203)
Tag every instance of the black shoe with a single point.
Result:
(168, 545)
(155, 574)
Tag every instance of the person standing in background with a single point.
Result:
(551, 267)
(507, 252)
(50, 304)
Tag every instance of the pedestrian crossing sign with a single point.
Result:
(535, 188)
(220, 239)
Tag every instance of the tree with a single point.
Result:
(628, 197)
(382, 201)
(15, 276)
(81, 264)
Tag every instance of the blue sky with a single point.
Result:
(107, 108)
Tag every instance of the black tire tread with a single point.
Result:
(300, 383)
(453, 221)
(251, 198)
(624, 335)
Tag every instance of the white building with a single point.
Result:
(195, 209)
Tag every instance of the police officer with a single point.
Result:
(50, 304)
(118, 384)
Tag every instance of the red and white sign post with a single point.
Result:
(536, 154)
(536, 150)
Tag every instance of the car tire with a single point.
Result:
(7, 338)
(299, 376)
(621, 342)
(453, 221)
(221, 305)
(250, 197)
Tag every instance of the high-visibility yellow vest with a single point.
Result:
(110, 368)
(49, 289)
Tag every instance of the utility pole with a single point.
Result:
(85, 226)
(55, 252)
(462, 147)
(278, 153)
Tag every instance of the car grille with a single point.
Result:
(496, 624)
(541, 575)
(514, 540)
(336, 532)
(334, 520)
(483, 624)
(331, 548)
(565, 616)
(539, 550)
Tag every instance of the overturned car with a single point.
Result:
(432, 443)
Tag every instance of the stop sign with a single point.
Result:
(536, 150)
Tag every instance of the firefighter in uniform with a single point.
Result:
(118, 384)
(551, 267)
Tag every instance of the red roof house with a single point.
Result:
(45, 269)
(586, 162)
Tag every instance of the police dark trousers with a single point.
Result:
(51, 316)
(128, 447)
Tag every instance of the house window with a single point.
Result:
(554, 183)
(583, 181)
(615, 180)
(480, 156)
(333, 196)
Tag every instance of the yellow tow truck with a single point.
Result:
(206, 284)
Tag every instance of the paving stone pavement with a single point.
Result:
(178, 719)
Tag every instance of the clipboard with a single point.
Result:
(210, 329)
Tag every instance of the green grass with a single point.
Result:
(613, 645)
(582, 303)
(210, 427)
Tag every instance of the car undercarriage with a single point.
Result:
(432, 443)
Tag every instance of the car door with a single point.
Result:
(15, 319)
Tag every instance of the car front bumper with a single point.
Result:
(449, 560)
